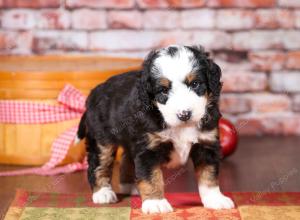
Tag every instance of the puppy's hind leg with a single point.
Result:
(100, 172)
(127, 175)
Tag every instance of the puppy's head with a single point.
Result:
(182, 82)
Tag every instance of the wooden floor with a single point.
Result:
(259, 164)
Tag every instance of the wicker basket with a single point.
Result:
(41, 79)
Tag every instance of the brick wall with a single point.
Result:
(256, 42)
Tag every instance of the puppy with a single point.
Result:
(161, 115)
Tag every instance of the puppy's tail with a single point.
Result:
(81, 133)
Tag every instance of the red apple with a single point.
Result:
(228, 137)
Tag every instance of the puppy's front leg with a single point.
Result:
(150, 184)
(206, 161)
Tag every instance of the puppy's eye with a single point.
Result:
(195, 84)
(165, 90)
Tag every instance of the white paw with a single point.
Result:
(127, 188)
(151, 206)
(105, 195)
(212, 198)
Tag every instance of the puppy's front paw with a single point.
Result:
(214, 199)
(105, 195)
(151, 206)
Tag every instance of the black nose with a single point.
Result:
(184, 115)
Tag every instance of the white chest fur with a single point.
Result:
(182, 139)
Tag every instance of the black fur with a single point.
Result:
(121, 111)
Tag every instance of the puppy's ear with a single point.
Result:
(213, 77)
(147, 70)
(212, 115)
(213, 72)
(145, 84)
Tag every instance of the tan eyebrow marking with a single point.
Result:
(165, 82)
(190, 77)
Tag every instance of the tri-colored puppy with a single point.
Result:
(162, 115)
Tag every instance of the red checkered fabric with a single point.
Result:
(24, 112)
(72, 105)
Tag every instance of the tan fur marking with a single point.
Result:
(208, 136)
(154, 139)
(164, 82)
(206, 175)
(190, 77)
(103, 172)
(153, 189)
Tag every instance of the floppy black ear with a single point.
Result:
(145, 84)
(213, 77)
(212, 114)
(213, 71)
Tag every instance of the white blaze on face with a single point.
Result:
(180, 97)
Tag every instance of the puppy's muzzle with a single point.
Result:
(184, 115)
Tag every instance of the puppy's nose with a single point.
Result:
(184, 115)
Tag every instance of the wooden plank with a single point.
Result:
(45, 85)
(38, 94)
(55, 76)
(29, 64)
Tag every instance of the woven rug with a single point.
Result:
(249, 205)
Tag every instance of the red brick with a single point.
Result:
(242, 3)
(272, 124)
(244, 81)
(234, 104)
(118, 40)
(16, 42)
(100, 3)
(216, 40)
(170, 3)
(87, 19)
(45, 41)
(249, 126)
(293, 60)
(233, 19)
(289, 3)
(53, 19)
(291, 40)
(260, 124)
(291, 125)
(188, 18)
(141, 54)
(125, 19)
(6, 42)
(258, 40)
(267, 60)
(296, 103)
(18, 19)
(156, 19)
(232, 66)
(279, 18)
(265, 102)
(285, 82)
(266, 40)
(297, 19)
(31, 3)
